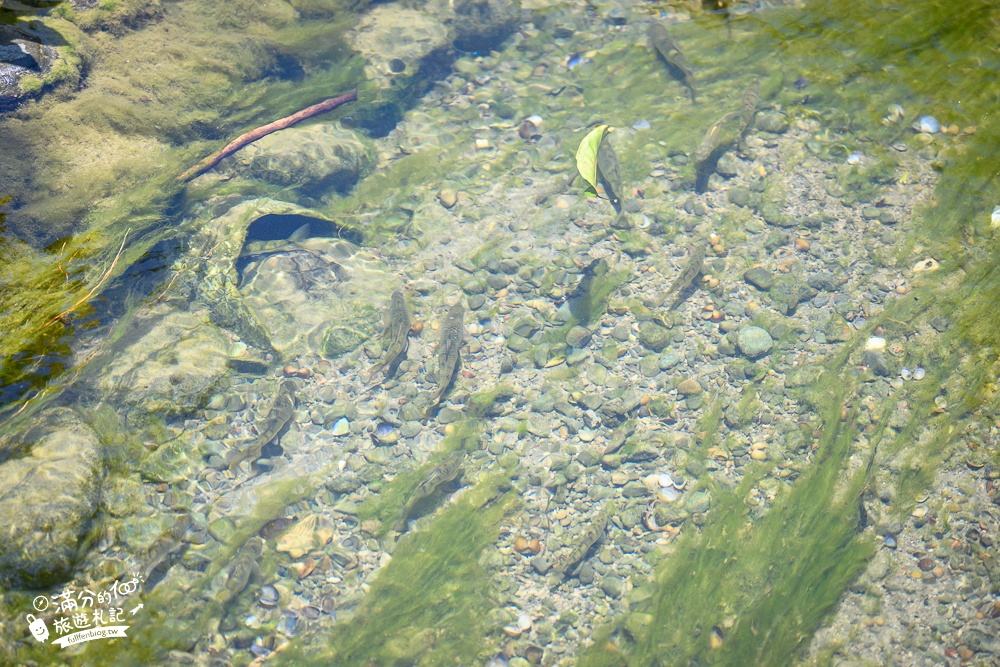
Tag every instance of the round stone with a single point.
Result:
(754, 342)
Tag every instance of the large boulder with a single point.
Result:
(36, 56)
(317, 295)
(480, 25)
(172, 367)
(315, 159)
(404, 51)
(47, 498)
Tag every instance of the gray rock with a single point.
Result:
(653, 336)
(541, 564)
(668, 360)
(823, 281)
(876, 361)
(754, 342)
(649, 365)
(312, 158)
(48, 498)
(586, 574)
(621, 332)
(343, 483)
(518, 343)
(173, 369)
(726, 346)
(613, 587)
(728, 166)
(739, 196)
(837, 329)
(698, 502)
(773, 122)
(482, 24)
(760, 278)
(578, 337)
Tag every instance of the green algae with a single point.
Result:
(434, 599)
(464, 434)
(769, 585)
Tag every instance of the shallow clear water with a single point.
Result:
(719, 389)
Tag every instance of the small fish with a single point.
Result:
(397, 331)
(664, 44)
(691, 270)
(449, 355)
(243, 569)
(167, 545)
(713, 139)
(751, 98)
(278, 416)
(573, 560)
(442, 473)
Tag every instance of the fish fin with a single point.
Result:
(300, 234)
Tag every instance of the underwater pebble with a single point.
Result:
(641, 125)
(905, 373)
(875, 344)
(928, 264)
(918, 373)
(895, 114)
(927, 125)
(995, 218)
(448, 198)
(855, 158)
(341, 427)
(668, 494)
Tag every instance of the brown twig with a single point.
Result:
(89, 294)
(264, 130)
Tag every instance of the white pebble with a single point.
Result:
(524, 622)
(665, 479)
(855, 158)
(668, 494)
(927, 125)
(905, 373)
(918, 373)
(875, 344)
(995, 218)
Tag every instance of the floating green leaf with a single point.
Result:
(586, 154)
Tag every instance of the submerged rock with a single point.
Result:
(311, 158)
(754, 342)
(34, 57)
(172, 368)
(48, 498)
(481, 25)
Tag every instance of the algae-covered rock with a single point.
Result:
(312, 158)
(172, 368)
(47, 499)
(402, 48)
(222, 239)
(327, 8)
(35, 56)
(319, 296)
(481, 25)
(653, 336)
